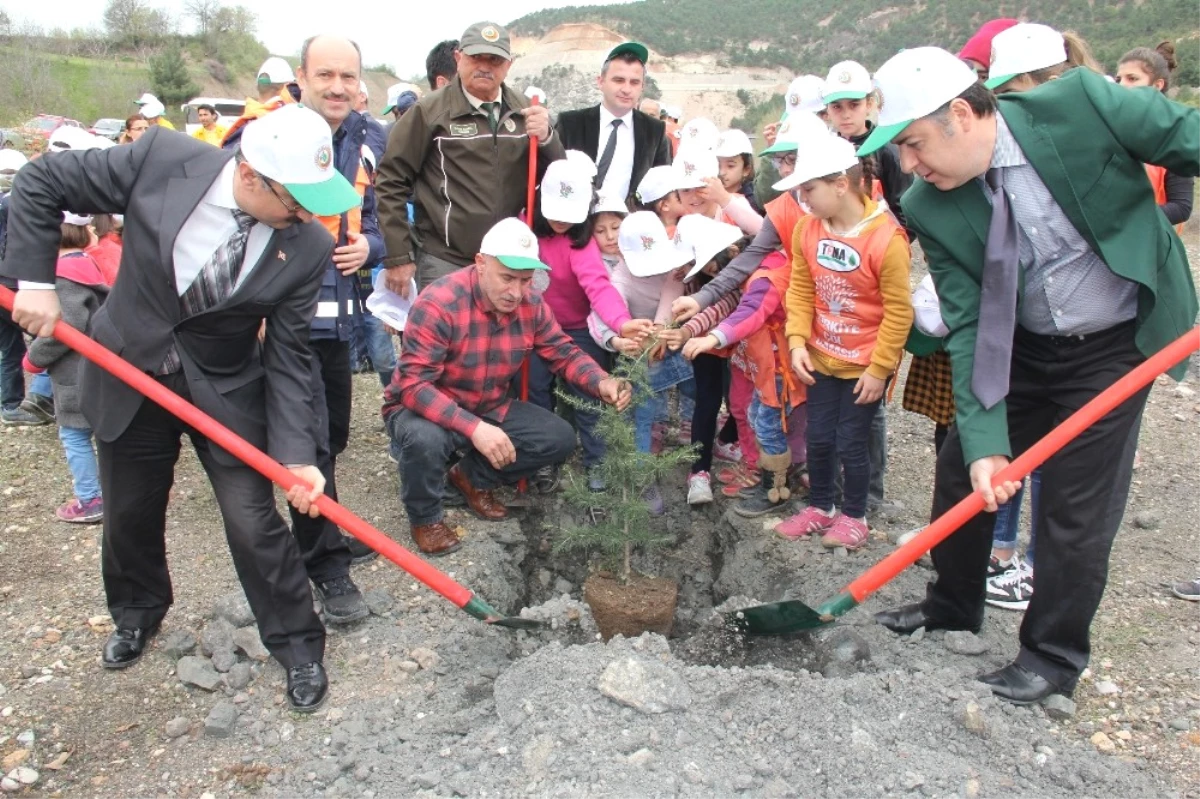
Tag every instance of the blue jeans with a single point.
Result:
(1008, 518)
(81, 460)
(838, 430)
(541, 394)
(380, 348)
(671, 372)
(768, 423)
(40, 384)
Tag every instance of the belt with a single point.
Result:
(1075, 341)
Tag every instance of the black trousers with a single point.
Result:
(136, 474)
(325, 552)
(1084, 489)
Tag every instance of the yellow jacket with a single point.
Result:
(213, 137)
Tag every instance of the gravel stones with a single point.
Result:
(379, 601)
(234, 609)
(247, 641)
(1107, 688)
(177, 727)
(199, 672)
(221, 720)
(1103, 743)
(1147, 520)
(645, 686)
(1059, 707)
(426, 658)
(974, 721)
(217, 636)
(965, 642)
(239, 676)
(223, 660)
(178, 643)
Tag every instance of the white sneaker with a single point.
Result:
(699, 489)
(1012, 588)
(731, 453)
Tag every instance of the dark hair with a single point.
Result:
(308, 43)
(206, 107)
(104, 224)
(135, 118)
(440, 62)
(75, 237)
(861, 176)
(637, 205)
(977, 96)
(624, 58)
(580, 233)
(1158, 63)
(747, 166)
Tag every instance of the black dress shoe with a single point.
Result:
(1019, 685)
(126, 645)
(908, 619)
(307, 687)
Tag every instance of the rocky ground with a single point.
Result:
(428, 701)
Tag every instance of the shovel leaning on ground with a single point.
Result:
(258, 460)
(790, 616)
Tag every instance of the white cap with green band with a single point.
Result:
(913, 84)
(512, 243)
(847, 80)
(1026, 47)
(294, 147)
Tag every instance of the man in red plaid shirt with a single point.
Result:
(466, 337)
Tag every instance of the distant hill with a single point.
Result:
(812, 35)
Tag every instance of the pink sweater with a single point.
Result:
(579, 284)
(646, 298)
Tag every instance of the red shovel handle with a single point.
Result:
(530, 183)
(253, 457)
(882, 572)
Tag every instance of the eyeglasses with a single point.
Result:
(142, 129)
(784, 160)
(291, 209)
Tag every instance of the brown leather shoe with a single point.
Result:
(435, 539)
(482, 503)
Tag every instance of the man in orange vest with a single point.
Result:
(328, 78)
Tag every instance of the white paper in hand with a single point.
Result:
(388, 306)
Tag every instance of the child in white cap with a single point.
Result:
(1028, 54)
(735, 165)
(711, 199)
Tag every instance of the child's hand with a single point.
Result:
(770, 132)
(637, 329)
(869, 389)
(674, 338)
(625, 346)
(658, 351)
(684, 308)
(713, 191)
(802, 366)
(699, 346)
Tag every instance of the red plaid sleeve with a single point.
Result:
(563, 357)
(428, 336)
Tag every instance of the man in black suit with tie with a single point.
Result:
(215, 243)
(624, 142)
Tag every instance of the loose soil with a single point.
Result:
(644, 604)
(427, 701)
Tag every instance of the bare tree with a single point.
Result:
(203, 12)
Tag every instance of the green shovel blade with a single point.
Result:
(791, 616)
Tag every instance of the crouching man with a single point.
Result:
(466, 337)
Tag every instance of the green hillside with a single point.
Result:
(812, 35)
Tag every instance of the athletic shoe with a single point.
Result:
(997, 567)
(731, 453)
(846, 532)
(359, 552)
(40, 406)
(76, 512)
(341, 600)
(20, 417)
(545, 480)
(1013, 588)
(684, 436)
(806, 522)
(1189, 590)
(699, 489)
(654, 499)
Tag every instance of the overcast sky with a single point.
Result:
(396, 33)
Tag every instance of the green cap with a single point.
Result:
(486, 38)
(881, 135)
(636, 49)
(996, 81)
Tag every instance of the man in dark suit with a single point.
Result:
(215, 243)
(624, 142)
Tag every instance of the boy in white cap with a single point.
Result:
(1057, 274)
(233, 233)
(466, 338)
(273, 76)
(154, 111)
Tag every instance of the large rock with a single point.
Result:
(217, 636)
(178, 643)
(965, 642)
(234, 609)
(644, 685)
(198, 672)
(221, 720)
(248, 641)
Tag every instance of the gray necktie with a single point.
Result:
(216, 280)
(997, 299)
(606, 157)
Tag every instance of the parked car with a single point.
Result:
(228, 111)
(43, 125)
(108, 128)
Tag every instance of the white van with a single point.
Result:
(227, 111)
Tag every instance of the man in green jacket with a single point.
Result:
(1056, 275)
(461, 154)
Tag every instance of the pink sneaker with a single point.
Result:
(76, 512)
(846, 532)
(806, 522)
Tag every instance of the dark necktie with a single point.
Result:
(997, 299)
(216, 280)
(606, 157)
(490, 109)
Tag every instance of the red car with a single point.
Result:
(43, 125)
